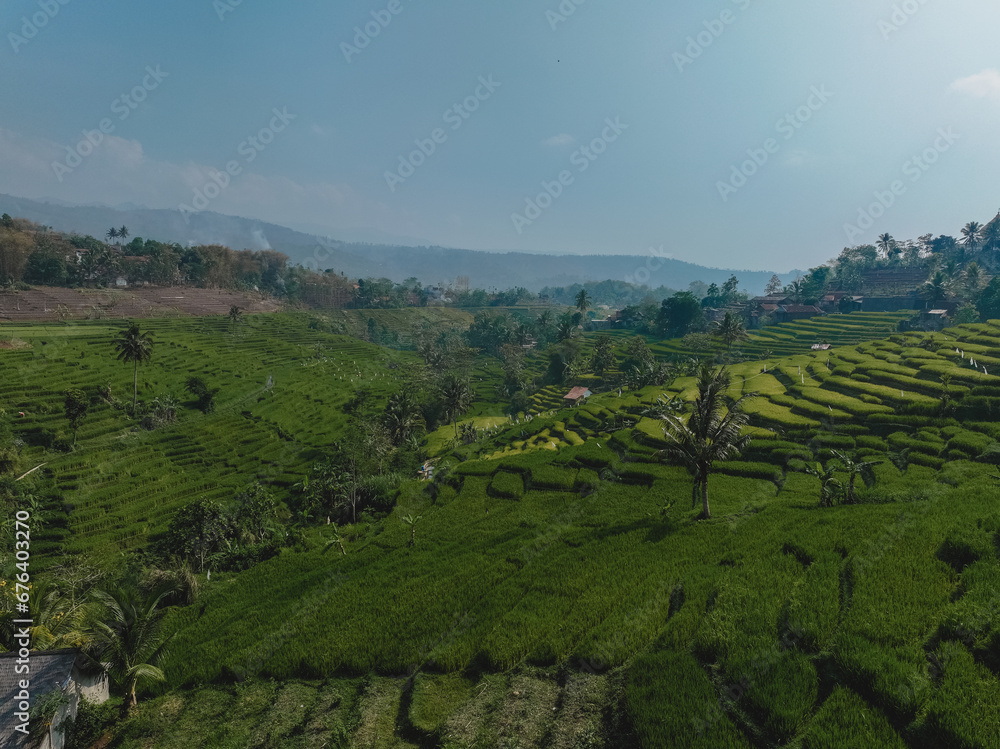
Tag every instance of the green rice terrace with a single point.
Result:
(559, 589)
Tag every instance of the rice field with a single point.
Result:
(560, 592)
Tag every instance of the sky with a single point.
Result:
(731, 133)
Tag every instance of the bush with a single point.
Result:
(91, 722)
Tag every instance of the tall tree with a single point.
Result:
(112, 235)
(713, 431)
(123, 234)
(456, 397)
(137, 347)
(773, 286)
(583, 301)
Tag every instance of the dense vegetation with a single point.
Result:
(551, 585)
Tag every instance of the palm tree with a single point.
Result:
(855, 468)
(712, 432)
(402, 416)
(112, 235)
(583, 301)
(730, 329)
(971, 234)
(456, 396)
(122, 235)
(936, 287)
(566, 329)
(235, 316)
(136, 347)
(973, 278)
(543, 323)
(131, 643)
(886, 244)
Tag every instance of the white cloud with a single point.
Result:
(984, 85)
(561, 140)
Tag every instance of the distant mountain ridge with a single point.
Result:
(430, 265)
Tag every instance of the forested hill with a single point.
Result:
(430, 265)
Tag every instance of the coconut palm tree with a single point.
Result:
(456, 397)
(235, 316)
(730, 329)
(971, 234)
(886, 244)
(583, 301)
(137, 347)
(402, 416)
(123, 235)
(112, 235)
(855, 467)
(936, 287)
(973, 278)
(130, 638)
(712, 432)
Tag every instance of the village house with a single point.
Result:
(62, 671)
(577, 395)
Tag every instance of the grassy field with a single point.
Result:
(560, 592)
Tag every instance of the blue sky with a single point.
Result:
(703, 162)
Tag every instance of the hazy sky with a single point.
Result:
(733, 133)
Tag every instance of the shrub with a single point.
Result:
(91, 721)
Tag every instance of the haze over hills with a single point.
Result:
(359, 260)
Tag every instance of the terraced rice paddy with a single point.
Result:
(123, 483)
(560, 592)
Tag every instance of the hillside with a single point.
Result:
(560, 592)
(430, 265)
